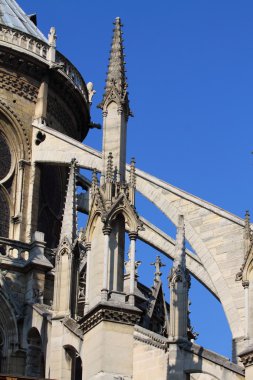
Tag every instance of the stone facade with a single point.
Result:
(72, 307)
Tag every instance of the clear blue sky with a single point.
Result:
(190, 73)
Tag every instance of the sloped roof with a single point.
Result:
(13, 16)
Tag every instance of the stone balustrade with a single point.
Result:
(24, 41)
(13, 250)
(72, 73)
(18, 40)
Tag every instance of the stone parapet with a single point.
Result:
(25, 43)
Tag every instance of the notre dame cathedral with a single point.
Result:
(71, 305)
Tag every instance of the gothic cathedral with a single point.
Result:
(71, 304)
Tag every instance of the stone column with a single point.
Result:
(88, 250)
(17, 216)
(33, 201)
(246, 298)
(176, 363)
(104, 291)
(133, 237)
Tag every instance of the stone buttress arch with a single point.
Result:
(219, 247)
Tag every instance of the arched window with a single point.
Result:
(6, 178)
(8, 335)
(34, 357)
(73, 364)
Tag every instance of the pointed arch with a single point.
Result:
(15, 130)
(8, 332)
(35, 365)
(72, 364)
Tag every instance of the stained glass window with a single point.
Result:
(5, 157)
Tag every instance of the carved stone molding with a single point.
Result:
(18, 86)
(149, 337)
(247, 356)
(110, 314)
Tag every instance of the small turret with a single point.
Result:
(67, 258)
(69, 221)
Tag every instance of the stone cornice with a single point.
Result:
(149, 337)
(247, 356)
(110, 313)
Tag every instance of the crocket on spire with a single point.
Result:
(69, 221)
(116, 81)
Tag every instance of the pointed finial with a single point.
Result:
(51, 55)
(109, 169)
(116, 76)
(158, 265)
(69, 221)
(132, 179)
(52, 37)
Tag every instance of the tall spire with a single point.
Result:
(116, 81)
(69, 221)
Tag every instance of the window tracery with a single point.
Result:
(5, 157)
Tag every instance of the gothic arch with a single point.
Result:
(13, 148)
(34, 357)
(73, 363)
(16, 130)
(172, 201)
(202, 376)
(8, 332)
(128, 213)
(6, 211)
(172, 205)
(121, 207)
(112, 98)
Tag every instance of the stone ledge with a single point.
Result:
(126, 314)
(214, 357)
(149, 337)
